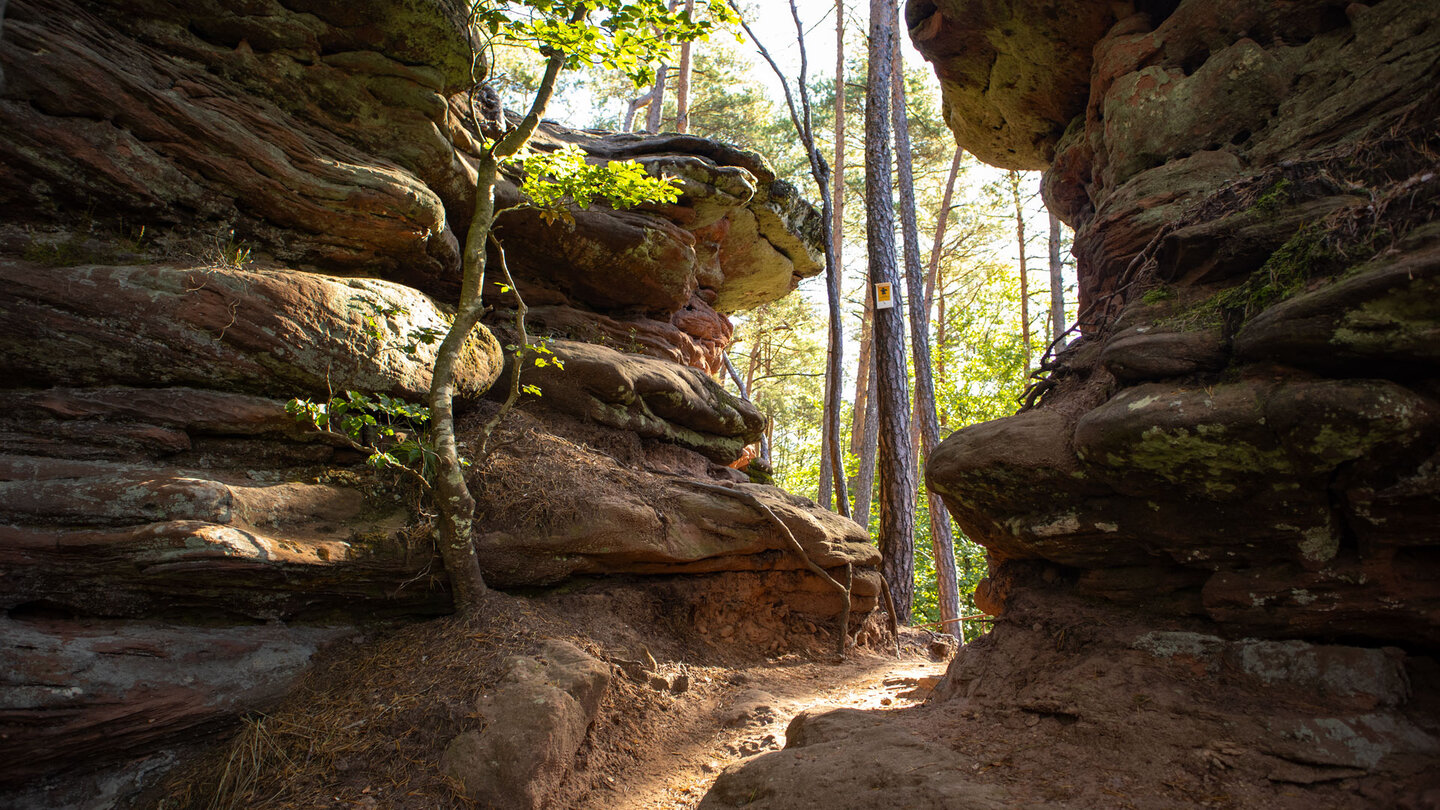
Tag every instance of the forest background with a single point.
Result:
(986, 336)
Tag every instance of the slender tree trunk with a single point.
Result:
(942, 541)
(837, 230)
(869, 444)
(865, 431)
(831, 459)
(862, 375)
(895, 460)
(1024, 270)
(657, 101)
(452, 496)
(942, 220)
(940, 314)
(682, 82)
(1057, 283)
(657, 97)
(633, 107)
(933, 282)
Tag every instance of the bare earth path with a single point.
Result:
(739, 713)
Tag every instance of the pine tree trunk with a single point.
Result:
(895, 461)
(682, 82)
(657, 100)
(942, 541)
(833, 456)
(1057, 285)
(1024, 270)
(862, 377)
(933, 282)
(864, 433)
(869, 443)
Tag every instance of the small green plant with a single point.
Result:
(228, 251)
(1158, 295)
(391, 431)
(1273, 198)
(551, 179)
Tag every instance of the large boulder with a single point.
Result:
(602, 501)
(649, 397)
(140, 693)
(534, 722)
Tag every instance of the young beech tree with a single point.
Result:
(622, 35)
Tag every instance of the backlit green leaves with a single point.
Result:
(551, 179)
(627, 36)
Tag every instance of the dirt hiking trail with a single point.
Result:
(745, 712)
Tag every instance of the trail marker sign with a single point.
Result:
(884, 295)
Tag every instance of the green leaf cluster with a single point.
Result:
(552, 178)
(626, 36)
(391, 429)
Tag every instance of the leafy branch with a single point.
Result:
(390, 431)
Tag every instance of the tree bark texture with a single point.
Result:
(895, 461)
(836, 362)
(942, 220)
(925, 423)
(869, 441)
(452, 497)
(862, 376)
(657, 100)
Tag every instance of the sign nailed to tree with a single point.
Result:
(884, 295)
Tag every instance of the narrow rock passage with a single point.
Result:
(746, 714)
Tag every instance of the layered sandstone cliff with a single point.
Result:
(213, 207)
(1246, 427)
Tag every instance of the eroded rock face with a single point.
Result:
(324, 136)
(561, 502)
(212, 207)
(274, 332)
(104, 691)
(1247, 431)
(1012, 74)
(649, 397)
(738, 237)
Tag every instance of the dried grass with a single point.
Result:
(364, 723)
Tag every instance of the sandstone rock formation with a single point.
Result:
(1246, 429)
(1012, 75)
(210, 208)
(340, 139)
